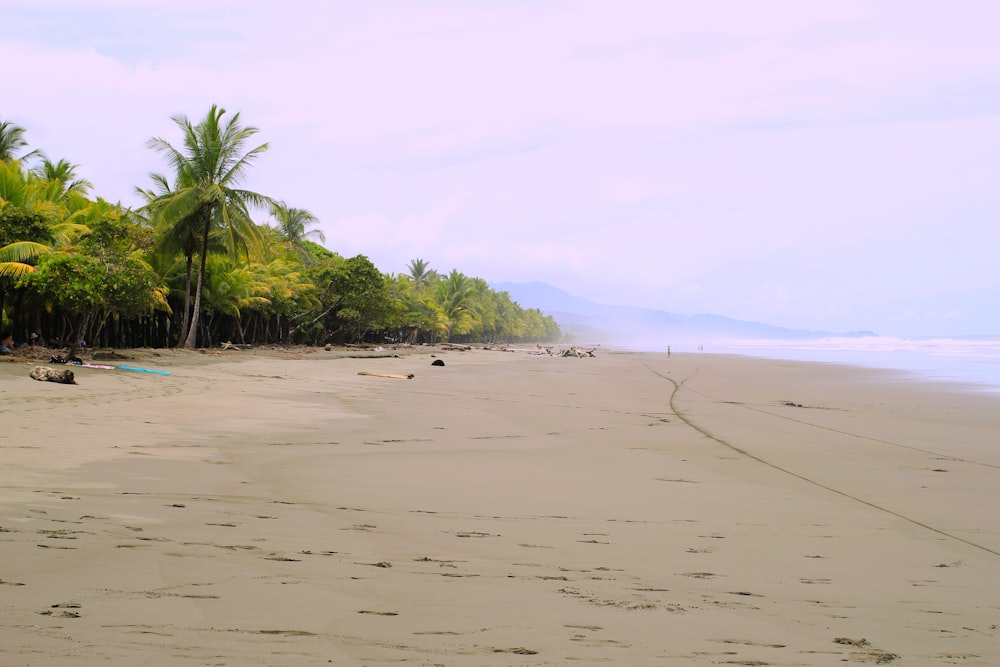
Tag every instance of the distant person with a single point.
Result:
(7, 343)
(668, 351)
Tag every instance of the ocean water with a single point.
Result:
(974, 361)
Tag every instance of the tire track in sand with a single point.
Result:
(677, 386)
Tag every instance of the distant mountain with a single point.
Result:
(588, 321)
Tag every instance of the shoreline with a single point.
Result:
(973, 361)
(978, 381)
(252, 508)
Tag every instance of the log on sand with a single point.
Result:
(408, 376)
(578, 352)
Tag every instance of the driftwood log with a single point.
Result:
(46, 374)
(408, 376)
(578, 352)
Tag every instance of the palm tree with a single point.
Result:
(32, 218)
(211, 165)
(456, 296)
(11, 141)
(231, 289)
(64, 173)
(172, 237)
(292, 223)
(421, 273)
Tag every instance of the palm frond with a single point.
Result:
(22, 251)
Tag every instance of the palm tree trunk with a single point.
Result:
(192, 335)
(187, 298)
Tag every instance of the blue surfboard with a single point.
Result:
(143, 370)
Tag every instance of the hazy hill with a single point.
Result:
(588, 321)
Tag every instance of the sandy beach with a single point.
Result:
(271, 508)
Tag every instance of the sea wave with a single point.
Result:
(973, 360)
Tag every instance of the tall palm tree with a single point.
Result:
(209, 167)
(64, 173)
(421, 273)
(172, 236)
(12, 141)
(292, 223)
(457, 298)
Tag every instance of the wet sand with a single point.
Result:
(507, 509)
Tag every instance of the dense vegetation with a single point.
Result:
(191, 267)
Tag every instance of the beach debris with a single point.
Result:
(437, 362)
(455, 346)
(229, 345)
(578, 352)
(46, 374)
(538, 349)
(519, 650)
(860, 643)
(59, 360)
(408, 376)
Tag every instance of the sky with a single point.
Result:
(813, 165)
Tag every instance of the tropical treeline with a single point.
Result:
(193, 267)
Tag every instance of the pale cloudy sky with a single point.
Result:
(826, 165)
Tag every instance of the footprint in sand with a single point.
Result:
(379, 613)
(363, 527)
(748, 642)
(868, 653)
(65, 606)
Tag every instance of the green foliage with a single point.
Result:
(12, 141)
(23, 236)
(84, 283)
(362, 297)
(18, 224)
(64, 173)
(212, 163)
(123, 274)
